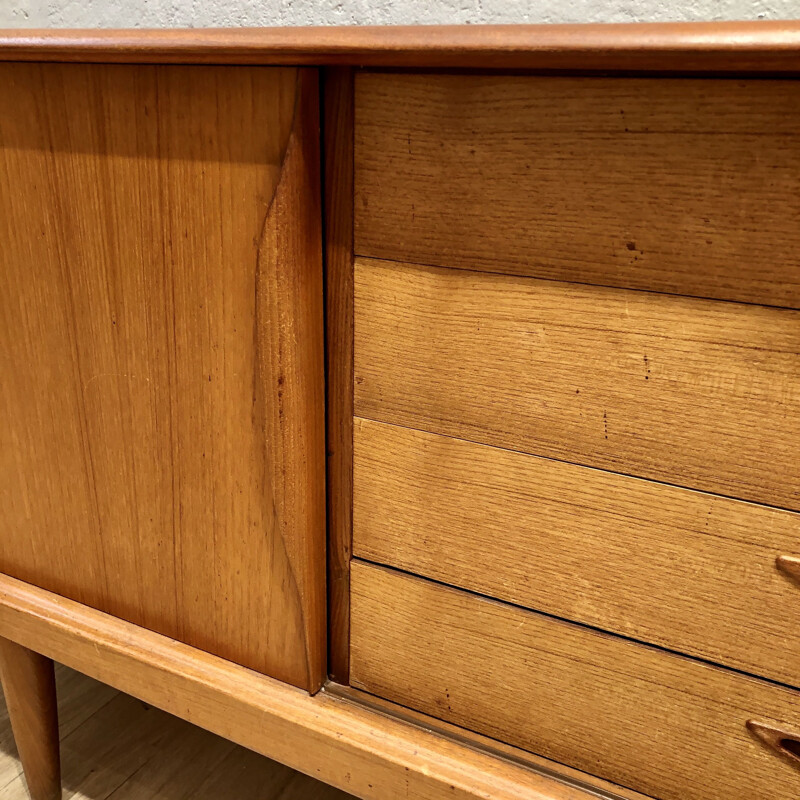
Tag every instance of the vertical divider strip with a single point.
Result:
(337, 138)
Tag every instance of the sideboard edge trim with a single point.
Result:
(766, 46)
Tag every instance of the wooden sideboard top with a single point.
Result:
(719, 47)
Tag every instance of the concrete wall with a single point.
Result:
(209, 13)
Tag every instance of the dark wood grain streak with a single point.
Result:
(338, 155)
(767, 46)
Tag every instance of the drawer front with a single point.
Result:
(684, 186)
(558, 421)
(692, 392)
(652, 721)
(690, 571)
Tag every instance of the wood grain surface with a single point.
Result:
(161, 323)
(658, 723)
(692, 572)
(673, 185)
(338, 160)
(30, 694)
(760, 47)
(693, 392)
(368, 754)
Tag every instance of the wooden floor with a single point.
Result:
(114, 746)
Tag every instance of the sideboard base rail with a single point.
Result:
(353, 748)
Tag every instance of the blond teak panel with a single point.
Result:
(690, 571)
(675, 185)
(162, 445)
(656, 722)
(693, 392)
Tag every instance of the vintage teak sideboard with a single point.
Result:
(417, 407)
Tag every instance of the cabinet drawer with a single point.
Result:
(672, 185)
(653, 721)
(576, 398)
(692, 392)
(686, 570)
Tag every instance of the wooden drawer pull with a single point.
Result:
(790, 565)
(783, 742)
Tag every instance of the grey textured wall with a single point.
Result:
(207, 13)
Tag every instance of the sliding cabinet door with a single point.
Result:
(161, 450)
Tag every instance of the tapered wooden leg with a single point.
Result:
(30, 689)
